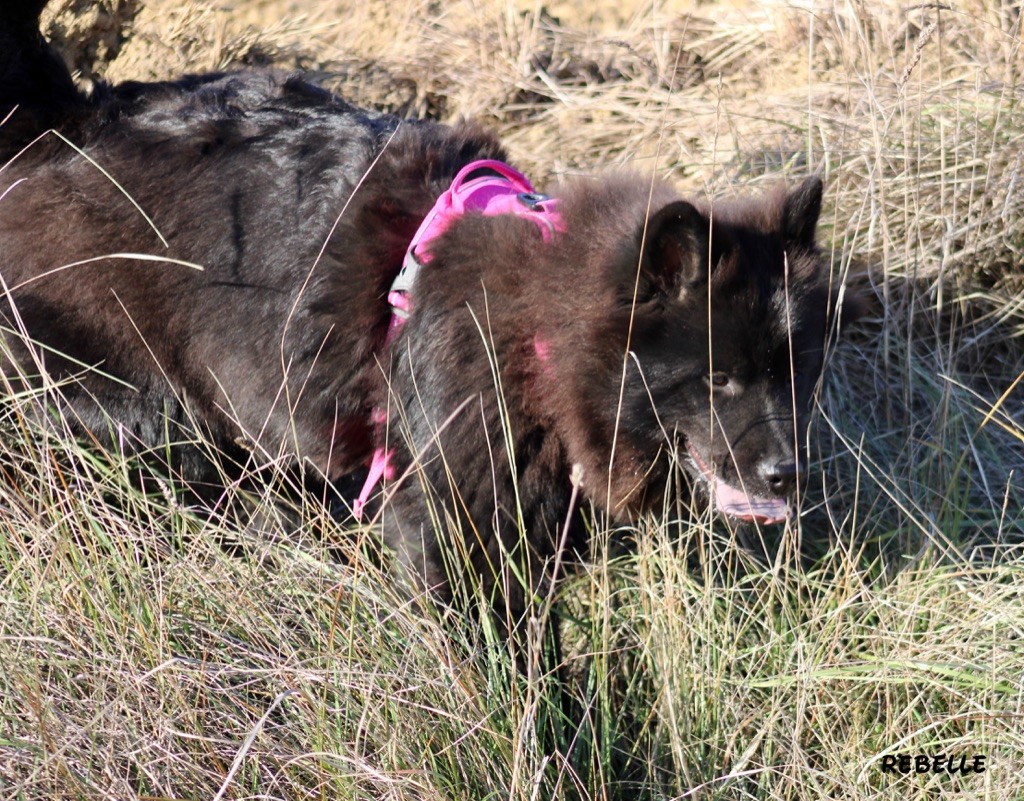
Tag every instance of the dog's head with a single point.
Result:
(724, 313)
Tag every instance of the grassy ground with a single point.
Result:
(142, 658)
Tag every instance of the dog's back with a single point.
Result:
(213, 243)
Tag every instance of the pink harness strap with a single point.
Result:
(502, 190)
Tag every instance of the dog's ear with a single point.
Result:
(801, 211)
(677, 250)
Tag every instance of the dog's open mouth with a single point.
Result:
(737, 503)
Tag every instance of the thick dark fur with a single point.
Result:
(299, 208)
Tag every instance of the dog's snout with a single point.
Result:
(781, 477)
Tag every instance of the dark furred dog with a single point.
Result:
(648, 325)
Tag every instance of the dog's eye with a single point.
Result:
(718, 379)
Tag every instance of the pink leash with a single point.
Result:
(508, 192)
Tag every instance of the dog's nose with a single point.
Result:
(781, 477)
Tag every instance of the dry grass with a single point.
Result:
(141, 658)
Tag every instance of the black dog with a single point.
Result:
(601, 331)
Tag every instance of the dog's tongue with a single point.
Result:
(737, 503)
(747, 507)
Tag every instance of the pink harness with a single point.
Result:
(506, 192)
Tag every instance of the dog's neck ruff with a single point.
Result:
(488, 187)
